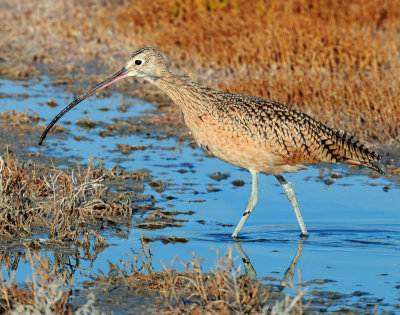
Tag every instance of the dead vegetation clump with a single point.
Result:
(24, 121)
(335, 60)
(18, 119)
(223, 290)
(46, 291)
(116, 173)
(66, 205)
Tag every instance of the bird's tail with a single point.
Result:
(346, 148)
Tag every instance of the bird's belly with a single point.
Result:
(240, 149)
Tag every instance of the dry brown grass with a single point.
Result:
(66, 205)
(223, 290)
(331, 59)
(18, 119)
(22, 122)
(191, 291)
(336, 60)
(46, 292)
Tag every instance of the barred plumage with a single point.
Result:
(255, 133)
(288, 136)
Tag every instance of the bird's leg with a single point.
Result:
(292, 198)
(251, 203)
(248, 267)
(288, 277)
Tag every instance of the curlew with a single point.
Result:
(258, 134)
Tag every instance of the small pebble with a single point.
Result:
(238, 183)
(212, 189)
(154, 183)
(374, 175)
(336, 175)
(51, 103)
(218, 176)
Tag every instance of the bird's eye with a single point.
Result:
(138, 62)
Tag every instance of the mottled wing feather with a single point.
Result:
(295, 136)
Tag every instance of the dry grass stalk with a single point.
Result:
(223, 290)
(47, 292)
(64, 204)
(19, 119)
(142, 261)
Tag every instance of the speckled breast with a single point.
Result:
(234, 145)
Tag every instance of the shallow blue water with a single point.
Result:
(354, 224)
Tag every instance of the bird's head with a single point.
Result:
(146, 63)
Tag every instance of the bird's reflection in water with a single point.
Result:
(287, 278)
(248, 267)
(65, 261)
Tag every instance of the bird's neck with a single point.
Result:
(190, 96)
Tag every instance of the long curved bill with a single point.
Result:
(123, 73)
